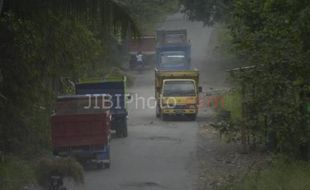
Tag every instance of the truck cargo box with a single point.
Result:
(171, 36)
(173, 50)
(161, 75)
(75, 130)
(146, 44)
(75, 123)
(81, 129)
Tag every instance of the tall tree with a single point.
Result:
(272, 36)
(1, 5)
(209, 11)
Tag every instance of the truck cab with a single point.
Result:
(173, 50)
(177, 93)
(173, 57)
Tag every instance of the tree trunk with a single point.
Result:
(1, 5)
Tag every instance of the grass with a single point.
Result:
(66, 167)
(232, 103)
(280, 176)
(15, 173)
(118, 72)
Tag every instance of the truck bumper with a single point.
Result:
(83, 154)
(179, 111)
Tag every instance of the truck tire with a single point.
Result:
(124, 128)
(107, 165)
(157, 111)
(100, 165)
(192, 117)
(164, 117)
(118, 131)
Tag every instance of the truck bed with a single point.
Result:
(161, 75)
(145, 44)
(76, 130)
(172, 36)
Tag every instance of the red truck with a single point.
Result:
(81, 129)
(145, 44)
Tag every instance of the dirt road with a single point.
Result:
(157, 154)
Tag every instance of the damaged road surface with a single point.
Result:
(156, 154)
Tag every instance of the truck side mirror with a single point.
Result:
(129, 97)
(199, 89)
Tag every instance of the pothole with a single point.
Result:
(163, 138)
(147, 184)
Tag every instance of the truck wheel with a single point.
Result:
(157, 111)
(100, 165)
(107, 165)
(124, 128)
(164, 117)
(193, 117)
(118, 131)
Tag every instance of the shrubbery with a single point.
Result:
(270, 37)
(278, 175)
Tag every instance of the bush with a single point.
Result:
(15, 173)
(229, 116)
(64, 167)
(233, 104)
(281, 175)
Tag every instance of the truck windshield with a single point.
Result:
(175, 38)
(172, 59)
(179, 88)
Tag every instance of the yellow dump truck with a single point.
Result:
(176, 93)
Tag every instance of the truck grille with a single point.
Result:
(179, 107)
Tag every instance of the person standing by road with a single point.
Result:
(140, 62)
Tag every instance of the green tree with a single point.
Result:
(210, 11)
(271, 36)
(44, 43)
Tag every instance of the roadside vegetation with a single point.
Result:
(268, 104)
(45, 47)
(277, 175)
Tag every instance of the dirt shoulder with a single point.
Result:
(219, 162)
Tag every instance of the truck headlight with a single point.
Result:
(168, 106)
